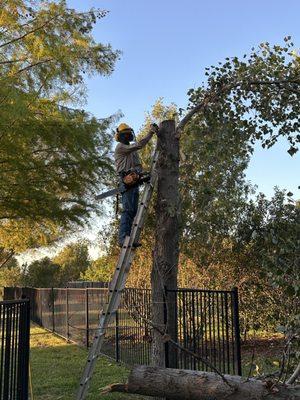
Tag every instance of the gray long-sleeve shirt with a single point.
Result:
(126, 156)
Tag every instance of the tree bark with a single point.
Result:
(198, 385)
(166, 250)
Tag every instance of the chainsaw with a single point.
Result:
(122, 188)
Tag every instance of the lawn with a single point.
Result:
(56, 367)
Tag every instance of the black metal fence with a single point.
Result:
(207, 324)
(14, 349)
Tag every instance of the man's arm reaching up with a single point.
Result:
(129, 148)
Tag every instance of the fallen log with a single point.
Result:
(198, 385)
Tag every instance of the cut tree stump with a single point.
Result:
(198, 385)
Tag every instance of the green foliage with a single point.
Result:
(217, 250)
(257, 96)
(73, 260)
(213, 186)
(158, 113)
(100, 269)
(67, 265)
(10, 276)
(7, 258)
(212, 181)
(46, 43)
(53, 158)
(270, 231)
(41, 273)
(25, 234)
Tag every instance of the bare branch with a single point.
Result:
(34, 65)
(12, 61)
(4, 31)
(10, 255)
(294, 376)
(212, 96)
(21, 37)
(167, 338)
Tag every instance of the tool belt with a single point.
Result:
(130, 178)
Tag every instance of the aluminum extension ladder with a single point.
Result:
(118, 282)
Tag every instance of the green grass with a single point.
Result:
(56, 367)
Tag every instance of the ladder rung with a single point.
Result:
(93, 358)
(85, 381)
(108, 312)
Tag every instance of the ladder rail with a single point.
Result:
(118, 282)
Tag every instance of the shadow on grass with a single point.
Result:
(56, 368)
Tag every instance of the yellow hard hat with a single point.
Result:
(121, 128)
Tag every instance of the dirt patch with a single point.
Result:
(268, 346)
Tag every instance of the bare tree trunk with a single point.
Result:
(198, 385)
(166, 250)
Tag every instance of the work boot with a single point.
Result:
(134, 245)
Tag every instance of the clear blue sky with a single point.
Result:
(167, 44)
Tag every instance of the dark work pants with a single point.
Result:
(130, 200)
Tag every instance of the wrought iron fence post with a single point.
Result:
(26, 348)
(53, 321)
(7, 335)
(87, 316)
(117, 350)
(67, 315)
(14, 349)
(236, 323)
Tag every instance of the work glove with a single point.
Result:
(154, 128)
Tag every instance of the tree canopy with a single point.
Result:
(53, 158)
(73, 260)
(256, 96)
(41, 273)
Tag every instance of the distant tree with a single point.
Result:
(73, 260)
(10, 273)
(53, 158)
(10, 276)
(41, 273)
(100, 269)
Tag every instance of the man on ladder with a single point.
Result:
(129, 168)
(126, 163)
